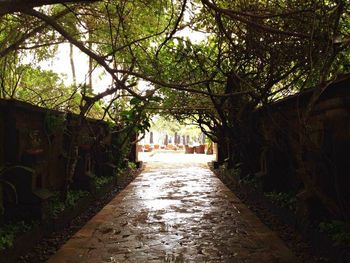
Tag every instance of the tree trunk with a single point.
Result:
(90, 66)
(202, 138)
(71, 58)
(72, 156)
(175, 139)
(151, 137)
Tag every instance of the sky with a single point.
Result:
(61, 65)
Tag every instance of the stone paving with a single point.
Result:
(175, 211)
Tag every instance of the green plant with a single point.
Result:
(74, 196)
(286, 200)
(9, 232)
(222, 167)
(252, 181)
(119, 172)
(339, 231)
(57, 206)
(132, 166)
(100, 181)
(111, 125)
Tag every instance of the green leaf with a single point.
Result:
(135, 101)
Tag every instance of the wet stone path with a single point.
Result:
(175, 211)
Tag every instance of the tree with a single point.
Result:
(263, 51)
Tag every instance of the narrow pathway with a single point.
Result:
(175, 211)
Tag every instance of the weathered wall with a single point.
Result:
(308, 155)
(40, 139)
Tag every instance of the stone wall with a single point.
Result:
(309, 156)
(35, 143)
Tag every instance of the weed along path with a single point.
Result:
(175, 211)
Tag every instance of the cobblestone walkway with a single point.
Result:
(175, 211)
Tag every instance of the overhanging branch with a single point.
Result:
(100, 60)
(12, 6)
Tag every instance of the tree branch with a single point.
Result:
(183, 8)
(236, 16)
(12, 6)
(100, 60)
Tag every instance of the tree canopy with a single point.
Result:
(253, 52)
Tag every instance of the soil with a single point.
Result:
(293, 240)
(50, 244)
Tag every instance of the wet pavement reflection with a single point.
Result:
(175, 211)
